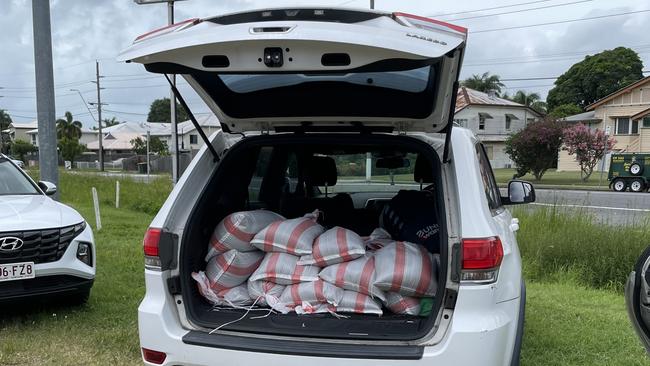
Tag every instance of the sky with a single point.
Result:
(84, 31)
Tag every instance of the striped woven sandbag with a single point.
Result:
(283, 269)
(312, 293)
(265, 292)
(357, 275)
(231, 268)
(236, 231)
(336, 245)
(406, 268)
(400, 304)
(294, 236)
(356, 302)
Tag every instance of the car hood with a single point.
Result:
(33, 212)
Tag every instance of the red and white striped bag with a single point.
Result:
(236, 296)
(406, 268)
(378, 239)
(357, 275)
(399, 304)
(236, 231)
(283, 269)
(231, 268)
(312, 293)
(264, 292)
(336, 245)
(294, 236)
(356, 302)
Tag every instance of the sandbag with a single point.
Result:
(312, 293)
(406, 268)
(231, 268)
(283, 269)
(336, 245)
(378, 239)
(236, 231)
(266, 293)
(399, 304)
(357, 275)
(236, 296)
(294, 236)
(356, 302)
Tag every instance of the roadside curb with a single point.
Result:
(563, 187)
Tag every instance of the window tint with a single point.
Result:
(194, 139)
(622, 126)
(261, 167)
(481, 123)
(12, 181)
(635, 127)
(508, 122)
(489, 183)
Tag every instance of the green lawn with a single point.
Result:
(553, 177)
(572, 317)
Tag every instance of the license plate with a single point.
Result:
(16, 271)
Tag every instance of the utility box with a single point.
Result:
(629, 171)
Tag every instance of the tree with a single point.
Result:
(20, 148)
(156, 146)
(160, 111)
(484, 83)
(588, 146)
(532, 100)
(5, 121)
(68, 128)
(564, 110)
(70, 148)
(595, 77)
(534, 149)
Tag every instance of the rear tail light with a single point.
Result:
(421, 22)
(152, 356)
(167, 29)
(481, 259)
(150, 244)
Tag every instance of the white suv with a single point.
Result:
(335, 110)
(46, 247)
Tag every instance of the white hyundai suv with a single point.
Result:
(46, 248)
(340, 111)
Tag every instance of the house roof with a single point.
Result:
(589, 116)
(617, 93)
(22, 125)
(209, 120)
(83, 130)
(467, 97)
(641, 114)
(115, 141)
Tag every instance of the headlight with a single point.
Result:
(84, 253)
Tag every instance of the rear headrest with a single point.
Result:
(321, 171)
(423, 172)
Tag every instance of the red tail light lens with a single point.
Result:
(151, 241)
(482, 253)
(427, 23)
(167, 29)
(152, 356)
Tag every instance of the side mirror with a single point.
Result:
(47, 187)
(519, 192)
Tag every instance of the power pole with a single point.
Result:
(172, 108)
(48, 156)
(99, 116)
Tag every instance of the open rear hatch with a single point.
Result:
(320, 69)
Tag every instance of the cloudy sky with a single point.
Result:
(87, 30)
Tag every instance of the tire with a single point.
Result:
(637, 185)
(619, 185)
(635, 169)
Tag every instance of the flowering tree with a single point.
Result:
(534, 149)
(588, 146)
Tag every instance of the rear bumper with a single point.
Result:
(478, 334)
(43, 286)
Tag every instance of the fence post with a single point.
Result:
(117, 194)
(98, 219)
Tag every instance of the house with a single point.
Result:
(87, 135)
(492, 119)
(625, 113)
(19, 130)
(117, 138)
(188, 137)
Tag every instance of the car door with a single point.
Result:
(319, 68)
(637, 298)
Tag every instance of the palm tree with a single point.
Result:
(532, 100)
(68, 128)
(484, 83)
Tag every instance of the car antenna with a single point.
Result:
(215, 155)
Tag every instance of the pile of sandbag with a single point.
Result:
(260, 258)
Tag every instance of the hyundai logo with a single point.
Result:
(10, 244)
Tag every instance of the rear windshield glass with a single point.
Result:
(13, 181)
(403, 93)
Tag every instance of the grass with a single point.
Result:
(553, 177)
(575, 316)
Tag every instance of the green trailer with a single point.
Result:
(629, 170)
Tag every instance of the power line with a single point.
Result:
(559, 22)
(493, 8)
(521, 10)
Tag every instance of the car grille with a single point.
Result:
(41, 246)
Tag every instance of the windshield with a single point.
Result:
(13, 181)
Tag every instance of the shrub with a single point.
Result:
(534, 149)
(588, 146)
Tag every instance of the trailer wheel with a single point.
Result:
(637, 185)
(619, 185)
(635, 169)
